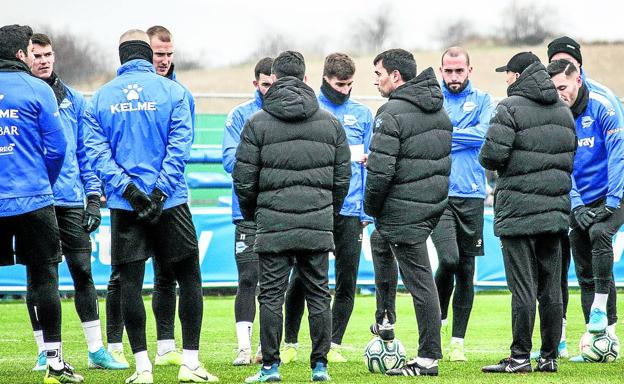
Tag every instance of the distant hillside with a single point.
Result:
(602, 62)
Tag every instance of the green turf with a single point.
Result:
(487, 341)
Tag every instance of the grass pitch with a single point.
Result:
(487, 341)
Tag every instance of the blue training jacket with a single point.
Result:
(140, 131)
(77, 178)
(189, 97)
(599, 160)
(357, 121)
(593, 85)
(470, 112)
(32, 143)
(234, 124)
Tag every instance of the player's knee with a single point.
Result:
(599, 236)
(449, 266)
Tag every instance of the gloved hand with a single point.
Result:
(158, 202)
(92, 217)
(140, 202)
(602, 213)
(584, 217)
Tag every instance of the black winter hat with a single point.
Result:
(567, 45)
(519, 62)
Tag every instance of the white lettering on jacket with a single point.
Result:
(586, 142)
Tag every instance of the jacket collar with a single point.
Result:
(137, 65)
(465, 92)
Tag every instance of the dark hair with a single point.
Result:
(456, 52)
(339, 65)
(160, 32)
(398, 60)
(13, 38)
(263, 67)
(289, 63)
(41, 39)
(561, 66)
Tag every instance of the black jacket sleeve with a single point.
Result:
(247, 172)
(499, 140)
(382, 158)
(342, 169)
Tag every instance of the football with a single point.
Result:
(599, 348)
(381, 356)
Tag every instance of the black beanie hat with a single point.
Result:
(567, 45)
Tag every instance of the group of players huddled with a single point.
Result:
(310, 173)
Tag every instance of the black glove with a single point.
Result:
(584, 217)
(92, 217)
(158, 202)
(140, 202)
(602, 213)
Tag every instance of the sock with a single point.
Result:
(563, 329)
(243, 334)
(426, 362)
(190, 358)
(444, 322)
(334, 345)
(39, 341)
(611, 329)
(54, 355)
(115, 347)
(142, 362)
(457, 340)
(165, 346)
(294, 345)
(600, 301)
(93, 334)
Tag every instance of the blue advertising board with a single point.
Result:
(215, 232)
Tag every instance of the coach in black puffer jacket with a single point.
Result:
(410, 161)
(531, 143)
(292, 170)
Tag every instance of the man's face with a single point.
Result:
(263, 83)
(566, 56)
(43, 61)
(511, 77)
(567, 87)
(342, 86)
(163, 55)
(455, 72)
(383, 80)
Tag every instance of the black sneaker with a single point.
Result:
(63, 375)
(412, 368)
(384, 331)
(509, 365)
(546, 365)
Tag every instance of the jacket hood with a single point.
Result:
(423, 91)
(534, 83)
(290, 99)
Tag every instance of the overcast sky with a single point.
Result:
(221, 32)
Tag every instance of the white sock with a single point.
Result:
(54, 355)
(39, 341)
(93, 334)
(165, 346)
(563, 329)
(243, 334)
(294, 345)
(115, 347)
(142, 362)
(457, 340)
(444, 322)
(611, 329)
(190, 358)
(334, 345)
(600, 301)
(426, 362)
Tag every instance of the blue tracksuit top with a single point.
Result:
(234, 124)
(32, 143)
(470, 112)
(599, 160)
(140, 131)
(357, 121)
(77, 178)
(189, 97)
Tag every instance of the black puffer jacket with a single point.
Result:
(531, 143)
(409, 162)
(292, 170)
